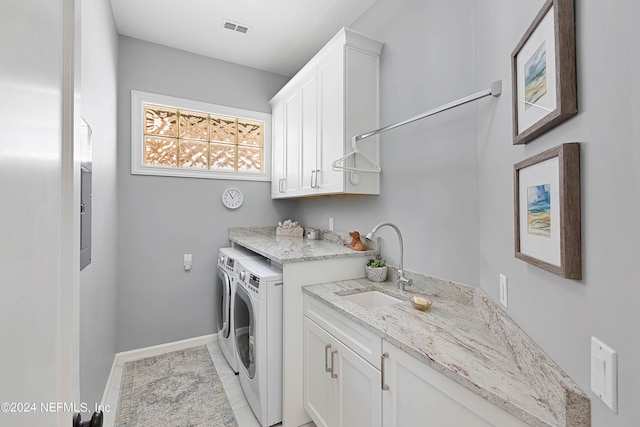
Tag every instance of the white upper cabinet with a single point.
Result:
(309, 123)
(278, 149)
(333, 98)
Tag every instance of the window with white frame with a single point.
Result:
(178, 137)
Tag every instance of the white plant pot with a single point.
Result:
(377, 274)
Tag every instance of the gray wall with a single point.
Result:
(562, 315)
(162, 218)
(428, 183)
(99, 55)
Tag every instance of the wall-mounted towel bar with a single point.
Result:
(341, 163)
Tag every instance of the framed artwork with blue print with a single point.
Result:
(543, 67)
(547, 210)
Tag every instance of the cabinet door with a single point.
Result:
(309, 133)
(278, 147)
(340, 387)
(291, 184)
(319, 391)
(331, 104)
(419, 395)
(360, 399)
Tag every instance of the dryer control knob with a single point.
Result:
(243, 275)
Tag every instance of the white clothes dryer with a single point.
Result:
(258, 319)
(224, 294)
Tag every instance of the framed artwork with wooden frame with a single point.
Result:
(543, 69)
(547, 210)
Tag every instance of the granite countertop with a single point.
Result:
(283, 249)
(469, 339)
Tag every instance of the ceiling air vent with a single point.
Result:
(234, 26)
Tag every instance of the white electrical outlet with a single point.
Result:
(188, 261)
(504, 285)
(330, 224)
(604, 373)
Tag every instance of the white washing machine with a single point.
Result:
(258, 319)
(224, 294)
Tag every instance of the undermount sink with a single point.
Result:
(371, 299)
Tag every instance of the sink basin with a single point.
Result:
(371, 299)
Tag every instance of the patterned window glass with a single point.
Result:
(194, 125)
(250, 133)
(160, 121)
(249, 159)
(179, 138)
(224, 129)
(193, 154)
(223, 157)
(160, 151)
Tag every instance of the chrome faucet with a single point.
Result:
(402, 280)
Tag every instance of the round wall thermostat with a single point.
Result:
(232, 198)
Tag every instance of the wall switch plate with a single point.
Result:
(188, 261)
(604, 373)
(504, 282)
(330, 224)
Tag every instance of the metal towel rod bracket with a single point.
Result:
(340, 164)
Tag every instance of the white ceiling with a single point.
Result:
(283, 34)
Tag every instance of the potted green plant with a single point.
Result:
(376, 270)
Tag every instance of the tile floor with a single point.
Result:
(242, 410)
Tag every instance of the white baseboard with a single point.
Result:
(141, 353)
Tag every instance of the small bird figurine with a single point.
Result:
(356, 244)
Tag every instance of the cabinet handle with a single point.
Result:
(383, 386)
(317, 175)
(333, 374)
(280, 186)
(326, 361)
(313, 179)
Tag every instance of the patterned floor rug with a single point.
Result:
(181, 388)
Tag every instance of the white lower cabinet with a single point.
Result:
(419, 395)
(340, 387)
(352, 377)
